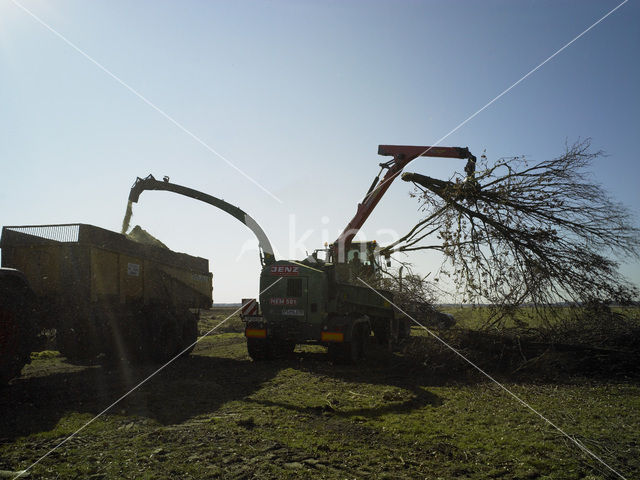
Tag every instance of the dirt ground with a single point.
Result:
(217, 414)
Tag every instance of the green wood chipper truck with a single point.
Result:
(335, 301)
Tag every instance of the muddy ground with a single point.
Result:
(217, 414)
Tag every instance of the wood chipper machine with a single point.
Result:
(329, 301)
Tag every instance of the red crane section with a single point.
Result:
(402, 155)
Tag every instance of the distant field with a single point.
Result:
(216, 414)
(229, 320)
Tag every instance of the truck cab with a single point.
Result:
(317, 301)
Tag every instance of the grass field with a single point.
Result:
(216, 414)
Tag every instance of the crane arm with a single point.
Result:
(150, 183)
(402, 155)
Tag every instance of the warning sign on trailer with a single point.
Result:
(133, 269)
(249, 307)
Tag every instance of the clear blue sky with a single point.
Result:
(298, 95)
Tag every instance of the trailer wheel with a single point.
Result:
(78, 343)
(189, 333)
(11, 359)
(163, 337)
(68, 344)
(16, 330)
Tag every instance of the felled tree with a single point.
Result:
(514, 232)
(407, 289)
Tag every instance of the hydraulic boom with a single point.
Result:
(402, 155)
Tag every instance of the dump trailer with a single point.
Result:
(334, 301)
(102, 293)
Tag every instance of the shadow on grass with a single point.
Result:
(188, 387)
(380, 369)
(420, 399)
(201, 384)
(384, 368)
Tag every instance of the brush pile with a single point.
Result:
(596, 342)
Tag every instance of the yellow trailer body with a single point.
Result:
(105, 293)
(93, 265)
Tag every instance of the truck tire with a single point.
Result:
(364, 342)
(259, 349)
(165, 339)
(352, 352)
(382, 332)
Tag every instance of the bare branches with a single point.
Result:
(516, 233)
(409, 288)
